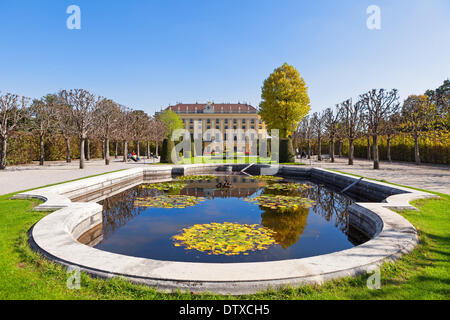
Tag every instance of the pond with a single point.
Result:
(226, 219)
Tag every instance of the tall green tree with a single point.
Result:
(285, 100)
(172, 121)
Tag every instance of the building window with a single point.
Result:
(253, 127)
(208, 127)
(208, 120)
(243, 127)
(234, 127)
(217, 127)
(191, 127)
(226, 127)
(226, 120)
(217, 120)
(243, 121)
(253, 121)
(234, 120)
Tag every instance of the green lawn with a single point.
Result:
(423, 274)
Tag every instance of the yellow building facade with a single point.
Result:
(216, 122)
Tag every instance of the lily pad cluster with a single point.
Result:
(282, 203)
(267, 178)
(288, 187)
(165, 186)
(168, 201)
(195, 178)
(225, 238)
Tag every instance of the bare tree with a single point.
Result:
(125, 129)
(331, 119)
(107, 114)
(307, 133)
(318, 123)
(43, 120)
(82, 107)
(418, 114)
(158, 132)
(378, 105)
(65, 123)
(13, 111)
(351, 117)
(140, 122)
(389, 128)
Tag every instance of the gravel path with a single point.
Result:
(425, 176)
(25, 177)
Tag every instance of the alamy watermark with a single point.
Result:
(74, 280)
(374, 281)
(73, 22)
(374, 20)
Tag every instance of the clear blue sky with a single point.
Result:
(149, 54)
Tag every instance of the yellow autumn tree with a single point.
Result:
(284, 103)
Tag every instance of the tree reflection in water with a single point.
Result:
(290, 225)
(118, 210)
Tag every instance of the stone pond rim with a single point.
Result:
(55, 235)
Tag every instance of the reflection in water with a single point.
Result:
(289, 226)
(148, 232)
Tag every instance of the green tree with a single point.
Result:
(172, 121)
(285, 103)
(285, 100)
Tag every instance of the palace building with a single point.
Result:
(215, 121)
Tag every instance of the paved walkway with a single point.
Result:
(425, 176)
(31, 176)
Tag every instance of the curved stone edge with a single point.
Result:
(55, 237)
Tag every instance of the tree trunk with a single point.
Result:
(351, 151)
(125, 151)
(82, 140)
(340, 148)
(157, 152)
(376, 159)
(106, 151)
(319, 152)
(138, 149)
(148, 149)
(41, 150)
(116, 149)
(103, 149)
(3, 155)
(416, 149)
(309, 149)
(388, 146)
(332, 149)
(68, 158)
(368, 148)
(88, 149)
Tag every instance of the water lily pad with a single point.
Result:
(195, 178)
(282, 203)
(266, 178)
(165, 186)
(225, 238)
(168, 201)
(288, 187)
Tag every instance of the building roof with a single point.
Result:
(213, 108)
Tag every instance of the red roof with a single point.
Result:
(217, 108)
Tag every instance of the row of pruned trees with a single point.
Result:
(77, 113)
(376, 113)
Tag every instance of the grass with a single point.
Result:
(422, 274)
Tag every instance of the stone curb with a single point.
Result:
(55, 237)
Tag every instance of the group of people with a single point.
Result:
(133, 156)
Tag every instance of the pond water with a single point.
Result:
(226, 219)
